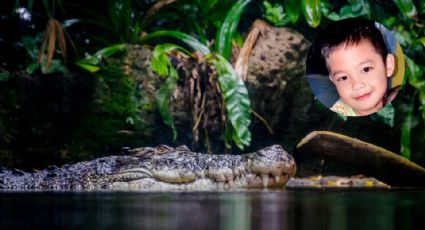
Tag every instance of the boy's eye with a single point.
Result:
(342, 78)
(367, 69)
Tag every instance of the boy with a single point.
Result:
(359, 66)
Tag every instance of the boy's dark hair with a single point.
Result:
(350, 32)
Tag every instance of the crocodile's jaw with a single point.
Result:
(242, 182)
(270, 167)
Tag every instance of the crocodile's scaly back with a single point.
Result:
(161, 168)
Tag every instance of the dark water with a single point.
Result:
(393, 209)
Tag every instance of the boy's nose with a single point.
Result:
(358, 83)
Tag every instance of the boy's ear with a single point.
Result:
(390, 64)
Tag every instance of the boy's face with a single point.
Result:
(360, 75)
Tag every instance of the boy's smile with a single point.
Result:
(360, 75)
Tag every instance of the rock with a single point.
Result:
(276, 71)
(328, 153)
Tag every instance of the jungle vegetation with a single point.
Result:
(66, 94)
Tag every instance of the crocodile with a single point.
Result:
(160, 168)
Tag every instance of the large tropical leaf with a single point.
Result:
(312, 13)
(228, 28)
(407, 8)
(236, 99)
(189, 40)
(293, 9)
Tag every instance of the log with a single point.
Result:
(328, 153)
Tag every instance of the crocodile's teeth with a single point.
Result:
(249, 166)
(226, 186)
(231, 184)
(220, 185)
(265, 181)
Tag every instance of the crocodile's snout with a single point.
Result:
(273, 165)
(268, 167)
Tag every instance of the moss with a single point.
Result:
(111, 120)
(56, 119)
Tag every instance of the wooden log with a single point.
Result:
(328, 153)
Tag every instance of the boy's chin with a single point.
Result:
(366, 108)
(367, 111)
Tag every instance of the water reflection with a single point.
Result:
(221, 210)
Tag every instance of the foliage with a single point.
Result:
(237, 101)
(187, 39)
(228, 27)
(162, 65)
(358, 8)
(233, 89)
(276, 15)
(196, 17)
(110, 119)
(30, 45)
(406, 133)
(115, 21)
(91, 62)
(281, 15)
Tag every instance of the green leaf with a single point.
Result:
(421, 41)
(159, 61)
(407, 8)
(103, 53)
(30, 46)
(236, 99)
(311, 11)
(414, 74)
(293, 9)
(47, 7)
(228, 131)
(5, 76)
(406, 129)
(163, 100)
(275, 14)
(206, 5)
(227, 30)
(422, 101)
(90, 63)
(386, 115)
(31, 68)
(56, 66)
(88, 67)
(162, 65)
(189, 40)
(359, 8)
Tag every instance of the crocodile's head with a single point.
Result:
(165, 167)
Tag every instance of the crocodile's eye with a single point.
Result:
(162, 149)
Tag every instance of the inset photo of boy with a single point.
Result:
(355, 67)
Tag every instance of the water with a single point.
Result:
(384, 209)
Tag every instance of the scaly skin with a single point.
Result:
(161, 168)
